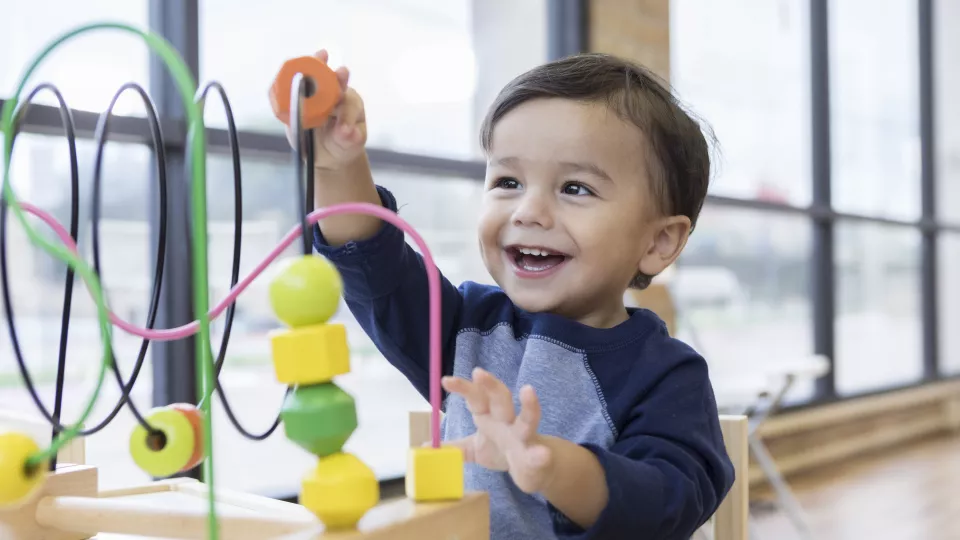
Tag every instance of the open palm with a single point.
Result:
(504, 440)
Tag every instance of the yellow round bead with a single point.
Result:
(165, 455)
(17, 481)
(306, 291)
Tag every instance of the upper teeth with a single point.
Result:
(531, 251)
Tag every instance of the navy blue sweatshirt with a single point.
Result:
(638, 399)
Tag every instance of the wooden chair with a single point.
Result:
(730, 522)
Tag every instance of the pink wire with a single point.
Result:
(433, 283)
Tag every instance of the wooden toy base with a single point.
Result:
(69, 507)
(404, 519)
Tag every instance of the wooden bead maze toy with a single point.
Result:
(339, 498)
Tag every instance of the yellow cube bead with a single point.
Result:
(340, 490)
(434, 474)
(311, 354)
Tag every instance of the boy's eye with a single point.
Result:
(576, 189)
(507, 183)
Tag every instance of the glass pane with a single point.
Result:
(383, 395)
(946, 58)
(756, 98)
(874, 107)
(89, 68)
(426, 83)
(948, 290)
(742, 289)
(41, 175)
(878, 338)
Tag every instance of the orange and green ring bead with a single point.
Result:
(174, 445)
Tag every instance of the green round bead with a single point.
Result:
(306, 291)
(319, 418)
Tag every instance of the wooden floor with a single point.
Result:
(903, 494)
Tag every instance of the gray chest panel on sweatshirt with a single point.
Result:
(572, 408)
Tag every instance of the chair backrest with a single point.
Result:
(656, 297)
(730, 522)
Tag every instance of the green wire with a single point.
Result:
(186, 85)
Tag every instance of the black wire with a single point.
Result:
(66, 117)
(308, 207)
(305, 206)
(237, 210)
(101, 134)
(152, 118)
(235, 267)
(296, 106)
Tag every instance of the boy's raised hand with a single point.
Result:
(341, 140)
(504, 440)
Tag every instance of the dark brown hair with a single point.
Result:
(679, 154)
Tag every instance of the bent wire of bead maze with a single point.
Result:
(339, 498)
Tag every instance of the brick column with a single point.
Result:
(634, 29)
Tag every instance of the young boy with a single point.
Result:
(595, 179)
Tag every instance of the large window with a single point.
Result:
(756, 98)
(743, 283)
(946, 63)
(949, 258)
(426, 70)
(824, 119)
(878, 318)
(875, 107)
(88, 69)
(742, 287)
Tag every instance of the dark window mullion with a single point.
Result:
(824, 298)
(928, 264)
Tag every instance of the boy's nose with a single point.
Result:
(533, 211)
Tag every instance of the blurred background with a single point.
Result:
(832, 227)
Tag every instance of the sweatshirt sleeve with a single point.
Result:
(668, 470)
(385, 288)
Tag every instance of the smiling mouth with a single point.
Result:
(535, 261)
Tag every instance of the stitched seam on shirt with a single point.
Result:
(487, 332)
(600, 396)
(593, 378)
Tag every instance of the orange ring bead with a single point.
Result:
(195, 416)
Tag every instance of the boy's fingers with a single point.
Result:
(501, 400)
(475, 397)
(351, 109)
(322, 55)
(343, 75)
(466, 445)
(529, 411)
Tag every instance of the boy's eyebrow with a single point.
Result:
(587, 167)
(573, 166)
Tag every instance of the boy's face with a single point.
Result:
(568, 215)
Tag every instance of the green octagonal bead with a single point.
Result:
(319, 418)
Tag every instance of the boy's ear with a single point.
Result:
(669, 238)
